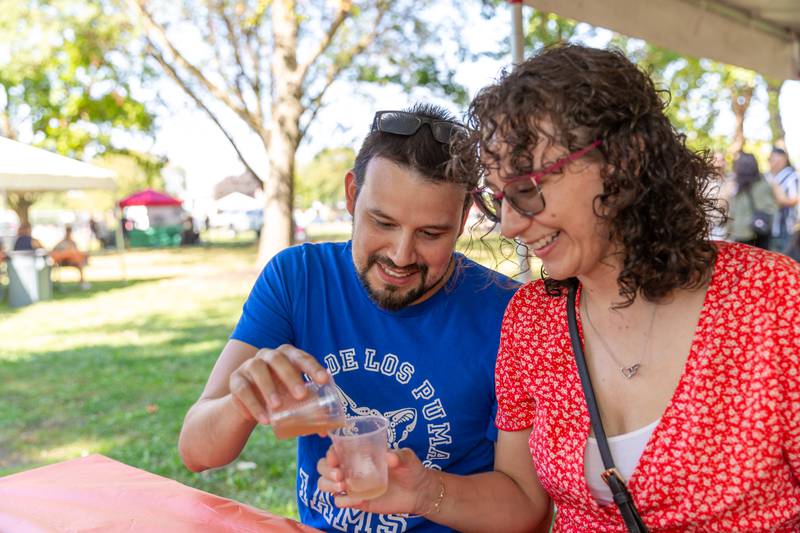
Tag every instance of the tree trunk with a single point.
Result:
(284, 137)
(5, 127)
(21, 203)
(775, 122)
(741, 97)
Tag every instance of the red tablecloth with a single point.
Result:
(98, 494)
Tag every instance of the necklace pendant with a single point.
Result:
(630, 371)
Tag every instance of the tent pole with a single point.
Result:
(517, 38)
(120, 238)
(517, 57)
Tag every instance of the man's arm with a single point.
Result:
(217, 427)
(782, 199)
(509, 499)
(214, 430)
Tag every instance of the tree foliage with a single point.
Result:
(267, 66)
(65, 79)
(322, 178)
(540, 29)
(699, 88)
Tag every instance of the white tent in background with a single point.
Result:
(25, 168)
(237, 201)
(29, 169)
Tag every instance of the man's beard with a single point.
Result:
(390, 298)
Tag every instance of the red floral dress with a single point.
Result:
(726, 454)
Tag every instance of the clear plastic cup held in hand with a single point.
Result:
(319, 412)
(361, 446)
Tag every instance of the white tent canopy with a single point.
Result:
(761, 35)
(237, 201)
(29, 169)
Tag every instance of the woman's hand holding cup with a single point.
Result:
(411, 487)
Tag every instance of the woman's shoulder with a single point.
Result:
(766, 271)
(534, 300)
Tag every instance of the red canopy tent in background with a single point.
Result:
(149, 197)
(152, 219)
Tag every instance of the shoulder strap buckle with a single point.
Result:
(606, 475)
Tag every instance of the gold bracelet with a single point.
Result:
(436, 504)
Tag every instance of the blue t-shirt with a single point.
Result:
(428, 368)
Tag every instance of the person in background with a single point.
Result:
(752, 194)
(793, 249)
(24, 241)
(104, 237)
(719, 185)
(189, 235)
(786, 188)
(66, 253)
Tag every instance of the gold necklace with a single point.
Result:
(627, 370)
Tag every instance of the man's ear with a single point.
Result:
(351, 191)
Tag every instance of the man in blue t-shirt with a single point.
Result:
(408, 328)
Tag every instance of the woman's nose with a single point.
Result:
(512, 223)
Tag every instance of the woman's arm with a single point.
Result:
(509, 499)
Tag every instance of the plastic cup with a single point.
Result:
(319, 412)
(361, 446)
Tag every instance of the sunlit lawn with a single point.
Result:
(112, 370)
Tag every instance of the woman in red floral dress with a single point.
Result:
(693, 348)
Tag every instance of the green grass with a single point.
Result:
(113, 370)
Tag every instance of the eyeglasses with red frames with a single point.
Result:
(523, 192)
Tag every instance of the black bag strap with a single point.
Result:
(622, 497)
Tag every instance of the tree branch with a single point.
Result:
(343, 11)
(337, 67)
(161, 34)
(172, 73)
(255, 58)
(212, 39)
(235, 40)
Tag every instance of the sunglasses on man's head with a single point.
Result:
(523, 192)
(406, 123)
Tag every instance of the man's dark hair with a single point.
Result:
(419, 152)
(780, 151)
(655, 188)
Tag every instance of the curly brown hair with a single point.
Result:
(655, 197)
